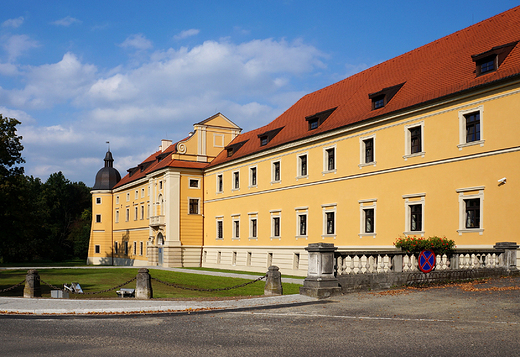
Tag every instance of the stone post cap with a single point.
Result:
(273, 268)
(32, 271)
(321, 247)
(506, 245)
(143, 270)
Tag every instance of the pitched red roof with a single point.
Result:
(439, 69)
(157, 161)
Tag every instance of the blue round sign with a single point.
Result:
(426, 261)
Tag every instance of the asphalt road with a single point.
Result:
(468, 320)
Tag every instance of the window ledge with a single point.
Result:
(301, 237)
(235, 238)
(235, 189)
(323, 236)
(373, 163)
(273, 182)
(302, 177)
(219, 238)
(471, 143)
(279, 237)
(421, 154)
(328, 172)
(253, 186)
(414, 233)
(219, 192)
(253, 238)
(361, 235)
(471, 230)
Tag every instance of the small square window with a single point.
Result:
(378, 102)
(194, 183)
(264, 140)
(98, 200)
(98, 218)
(313, 124)
(97, 249)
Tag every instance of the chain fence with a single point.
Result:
(198, 289)
(12, 287)
(133, 279)
(91, 292)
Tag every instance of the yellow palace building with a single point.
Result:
(424, 144)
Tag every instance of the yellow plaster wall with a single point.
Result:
(191, 225)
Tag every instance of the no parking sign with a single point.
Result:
(426, 261)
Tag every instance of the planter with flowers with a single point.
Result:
(426, 248)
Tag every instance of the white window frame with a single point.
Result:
(219, 179)
(136, 194)
(249, 257)
(234, 258)
(276, 214)
(411, 200)
(142, 212)
(329, 208)
(251, 185)
(234, 183)
(142, 193)
(326, 159)
(273, 171)
(198, 205)
(408, 138)
(127, 215)
(135, 248)
(296, 261)
(117, 216)
(127, 196)
(221, 137)
(299, 166)
(235, 218)
(217, 220)
(466, 194)
(194, 179)
(136, 213)
(362, 156)
(117, 199)
(363, 205)
(462, 127)
(98, 200)
(253, 216)
(302, 211)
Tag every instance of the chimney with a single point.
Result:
(165, 144)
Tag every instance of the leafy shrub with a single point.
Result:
(416, 244)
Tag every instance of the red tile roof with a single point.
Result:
(157, 161)
(441, 68)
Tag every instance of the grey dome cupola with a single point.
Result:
(108, 176)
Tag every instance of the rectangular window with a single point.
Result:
(98, 218)
(117, 199)
(234, 258)
(142, 192)
(302, 165)
(276, 174)
(415, 218)
(136, 194)
(369, 220)
(220, 228)
(160, 185)
(127, 197)
(269, 259)
(253, 228)
(126, 248)
(331, 226)
(219, 257)
(135, 213)
(220, 183)
(116, 248)
(140, 248)
(415, 140)
(472, 213)
(236, 180)
(472, 127)
(135, 248)
(302, 224)
(331, 161)
(194, 206)
(98, 200)
(248, 260)
(194, 183)
(276, 227)
(236, 228)
(252, 176)
(296, 261)
(369, 150)
(117, 216)
(97, 249)
(142, 212)
(127, 214)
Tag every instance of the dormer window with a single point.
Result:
(266, 137)
(233, 148)
(489, 61)
(317, 119)
(381, 98)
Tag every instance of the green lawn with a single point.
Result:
(102, 278)
(244, 272)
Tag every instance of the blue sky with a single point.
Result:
(78, 74)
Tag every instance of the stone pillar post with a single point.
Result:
(143, 285)
(320, 282)
(32, 285)
(273, 282)
(509, 254)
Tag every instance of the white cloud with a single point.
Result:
(14, 23)
(66, 21)
(186, 33)
(20, 115)
(16, 45)
(8, 69)
(137, 41)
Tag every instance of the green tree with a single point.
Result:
(10, 148)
